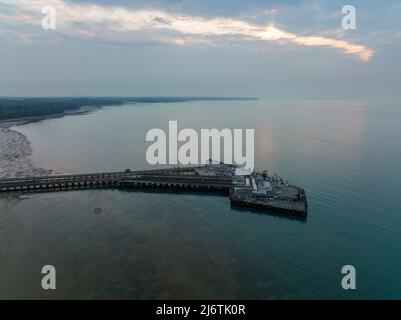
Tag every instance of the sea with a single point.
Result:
(133, 244)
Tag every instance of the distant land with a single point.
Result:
(16, 108)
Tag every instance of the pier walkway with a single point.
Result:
(173, 178)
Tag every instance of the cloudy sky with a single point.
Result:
(264, 48)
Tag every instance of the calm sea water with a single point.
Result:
(119, 244)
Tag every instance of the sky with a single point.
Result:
(269, 49)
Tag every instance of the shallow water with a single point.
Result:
(118, 244)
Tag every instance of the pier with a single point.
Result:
(257, 190)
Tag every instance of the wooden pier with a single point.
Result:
(220, 179)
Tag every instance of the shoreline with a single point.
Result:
(8, 123)
(16, 149)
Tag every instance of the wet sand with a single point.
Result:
(15, 155)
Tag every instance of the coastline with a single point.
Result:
(16, 149)
(8, 123)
